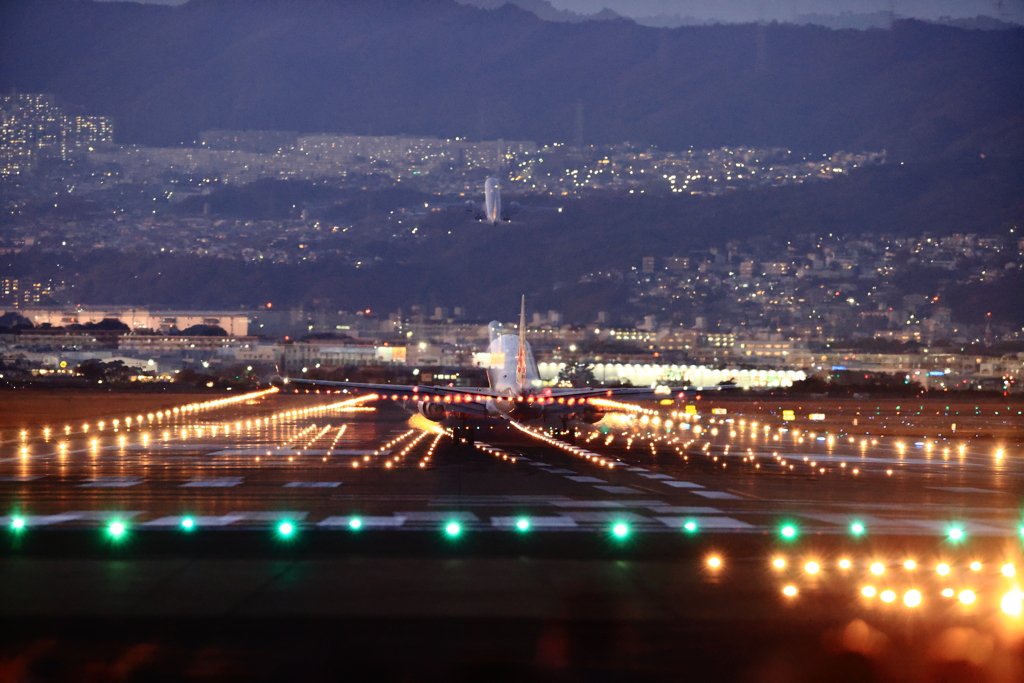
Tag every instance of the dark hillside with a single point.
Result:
(434, 67)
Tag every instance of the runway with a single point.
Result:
(266, 507)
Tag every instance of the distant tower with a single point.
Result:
(577, 139)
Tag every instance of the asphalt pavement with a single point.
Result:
(324, 534)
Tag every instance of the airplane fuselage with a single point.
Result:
(492, 201)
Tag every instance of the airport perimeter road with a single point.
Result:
(296, 533)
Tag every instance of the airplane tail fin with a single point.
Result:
(521, 355)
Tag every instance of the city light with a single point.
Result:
(868, 591)
(714, 562)
(967, 597)
(912, 598)
(789, 591)
(877, 568)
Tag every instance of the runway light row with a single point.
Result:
(878, 568)
(574, 450)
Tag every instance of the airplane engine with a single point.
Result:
(433, 411)
(591, 414)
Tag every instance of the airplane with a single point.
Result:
(515, 392)
(492, 213)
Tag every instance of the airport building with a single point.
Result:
(235, 324)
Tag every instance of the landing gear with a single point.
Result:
(568, 434)
(466, 435)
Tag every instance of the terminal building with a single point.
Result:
(234, 323)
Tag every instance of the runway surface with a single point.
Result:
(316, 506)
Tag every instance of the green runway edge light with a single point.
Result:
(788, 532)
(355, 524)
(188, 524)
(956, 533)
(17, 523)
(116, 530)
(285, 529)
(620, 530)
(453, 529)
(690, 527)
(523, 524)
(857, 529)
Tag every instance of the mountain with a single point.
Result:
(542, 9)
(437, 67)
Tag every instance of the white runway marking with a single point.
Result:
(460, 516)
(606, 517)
(717, 523)
(658, 476)
(368, 522)
(268, 516)
(962, 489)
(717, 495)
(201, 521)
(111, 482)
(619, 490)
(560, 522)
(683, 510)
(586, 480)
(312, 484)
(587, 504)
(212, 482)
(43, 520)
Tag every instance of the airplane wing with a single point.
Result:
(461, 400)
(477, 210)
(510, 210)
(387, 390)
